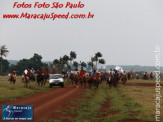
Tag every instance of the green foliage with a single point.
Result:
(76, 64)
(72, 55)
(5, 65)
(3, 52)
(34, 62)
(83, 64)
(101, 61)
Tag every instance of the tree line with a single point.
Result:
(65, 62)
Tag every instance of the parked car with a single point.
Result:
(56, 80)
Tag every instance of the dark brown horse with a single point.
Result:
(90, 81)
(45, 78)
(40, 80)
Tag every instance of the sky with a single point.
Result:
(124, 31)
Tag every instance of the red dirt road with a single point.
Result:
(45, 104)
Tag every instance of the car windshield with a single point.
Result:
(55, 76)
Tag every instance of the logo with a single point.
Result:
(17, 112)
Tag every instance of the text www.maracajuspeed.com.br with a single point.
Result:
(45, 16)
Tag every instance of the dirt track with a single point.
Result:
(45, 104)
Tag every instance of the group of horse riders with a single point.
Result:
(96, 77)
(83, 77)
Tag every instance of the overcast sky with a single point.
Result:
(124, 31)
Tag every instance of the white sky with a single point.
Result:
(124, 31)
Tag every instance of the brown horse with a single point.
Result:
(124, 79)
(90, 81)
(109, 80)
(45, 78)
(83, 82)
(97, 81)
(75, 80)
(25, 80)
(12, 79)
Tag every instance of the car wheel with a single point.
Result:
(62, 85)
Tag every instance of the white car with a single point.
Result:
(56, 80)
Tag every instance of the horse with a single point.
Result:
(97, 81)
(75, 80)
(109, 80)
(90, 81)
(124, 79)
(40, 80)
(71, 78)
(45, 78)
(32, 77)
(115, 80)
(25, 79)
(83, 81)
(12, 79)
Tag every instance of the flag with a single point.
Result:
(72, 67)
(88, 68)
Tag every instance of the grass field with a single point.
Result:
(130, 102)
(11, 92)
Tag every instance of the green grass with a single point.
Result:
(11, 92)
(127, 102)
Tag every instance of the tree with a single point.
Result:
(56, 64)
(65, 59)
(5, 65)
(35, 61)
(97, 56)
(76, 64)
(72, 55)
(3, 52)
(102, 61)
(83, 64)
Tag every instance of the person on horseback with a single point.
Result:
(28, 73)
(124, 78)
(40, 72)
(63, 74)
(82, 78)
(40, 78)
(25, 76)
(46, 71)
(115, 78)
(13, 74)
(32, 71)
(93, 73)
(53, 71)
(111, 72)
(151, 75)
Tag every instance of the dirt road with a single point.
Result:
(46, 104)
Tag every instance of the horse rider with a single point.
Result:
(13, 74)
(32, 71)
(40, 72)
(28, 73)
(151, 75)
(46, 71)
(53, 71)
